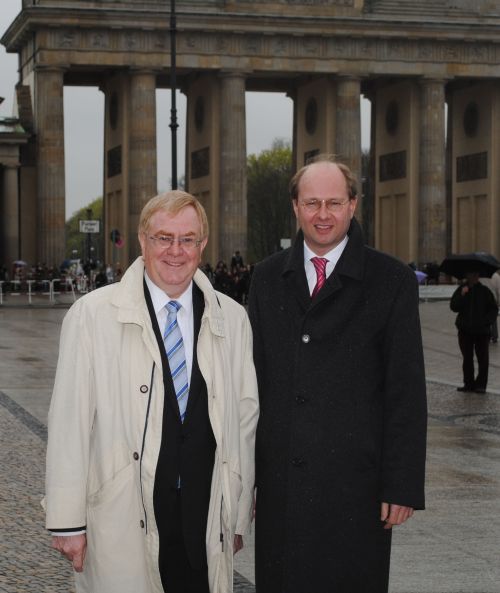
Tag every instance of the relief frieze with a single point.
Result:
(67, 39)
(282, 45)
(99, 40)
(252, 44)
(344, 3)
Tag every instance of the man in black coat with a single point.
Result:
(342, 431)
(477, 311)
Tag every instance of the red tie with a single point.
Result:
(320, 265)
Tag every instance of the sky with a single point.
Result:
(269, 117)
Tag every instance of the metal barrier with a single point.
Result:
(50, 288)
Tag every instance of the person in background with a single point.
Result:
(477, 311)
(493, 284)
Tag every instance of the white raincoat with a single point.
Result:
(105, 428)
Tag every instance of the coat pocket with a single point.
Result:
(112, 487)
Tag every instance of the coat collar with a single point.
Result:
(129, 298)
(351, 264)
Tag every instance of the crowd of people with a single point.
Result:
(83, 276)
(232, 279)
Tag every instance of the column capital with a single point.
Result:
(428, 80)
(347, 77)
(137, 70)
(234, 73)
(50, 69)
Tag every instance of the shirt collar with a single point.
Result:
(160, 298)
(332, 256)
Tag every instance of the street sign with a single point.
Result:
(89, 226)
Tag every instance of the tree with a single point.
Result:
(269, 207)
(76, 241)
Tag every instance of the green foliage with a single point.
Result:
(269, 205)
(76, 241)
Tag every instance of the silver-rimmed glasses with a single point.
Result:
(167, 241)
(314, 204)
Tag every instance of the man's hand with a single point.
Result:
(73, 547)
(238, 543)
(394, 514)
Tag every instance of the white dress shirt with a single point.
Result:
(185, 318)
(332, 256)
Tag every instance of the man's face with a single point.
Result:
(323, 230)
(172, 268)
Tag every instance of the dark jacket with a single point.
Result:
(343, 418)
(477, 309)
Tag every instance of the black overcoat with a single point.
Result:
(343, 417)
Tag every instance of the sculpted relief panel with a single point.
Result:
(234, 45)
(302, 2)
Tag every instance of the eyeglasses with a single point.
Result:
(166, 242)
(314, 204)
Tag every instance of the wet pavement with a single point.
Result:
(452, 547)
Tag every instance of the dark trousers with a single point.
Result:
(494, 331)
(177, 574)
(470, 343)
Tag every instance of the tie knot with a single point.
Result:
(173, 307)
(320, 264)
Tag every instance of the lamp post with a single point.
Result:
(89, 238)
(173, 84)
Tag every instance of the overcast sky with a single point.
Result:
(269, 116)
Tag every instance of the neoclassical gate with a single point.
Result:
(435, 171)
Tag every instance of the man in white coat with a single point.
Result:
(150, 459)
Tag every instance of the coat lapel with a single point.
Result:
(170, 398)
(196, 382)
(295, 275)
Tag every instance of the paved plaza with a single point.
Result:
(452, 547)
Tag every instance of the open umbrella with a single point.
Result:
(421, 276)
(460, 264)
(19, 263)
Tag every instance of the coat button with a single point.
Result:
(297, 462)
(141, 523)
(143, 388)
(136, 455)
(306, 338)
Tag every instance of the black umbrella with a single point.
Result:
(460, 264)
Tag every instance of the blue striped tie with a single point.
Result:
(174, 347)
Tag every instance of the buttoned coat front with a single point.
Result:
(105, 429)
(343, 418)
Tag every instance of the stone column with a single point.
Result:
(10, 216)
(49, 121)
(348, 129)
(233, 177)
(432, 190)
(142, 151)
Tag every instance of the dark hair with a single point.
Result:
(352, 190)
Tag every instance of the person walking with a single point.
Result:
(477, 311)
(150, 458)
(341, 438)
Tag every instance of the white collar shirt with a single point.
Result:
(332, 256)
(185, 317)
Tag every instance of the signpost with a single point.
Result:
(89, 226)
